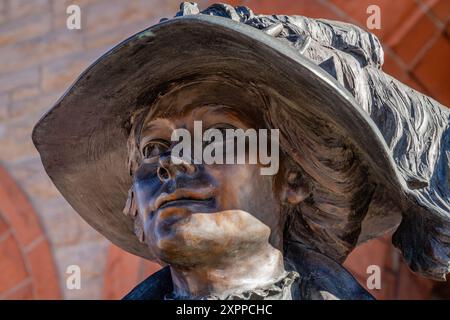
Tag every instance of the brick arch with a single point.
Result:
(123, 272)
(27, 269)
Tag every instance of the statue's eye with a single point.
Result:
(222, 127)
(154, 148)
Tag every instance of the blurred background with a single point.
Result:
(41, 235)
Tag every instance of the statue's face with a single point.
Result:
(199, 213)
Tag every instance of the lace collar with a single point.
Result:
(280, 290)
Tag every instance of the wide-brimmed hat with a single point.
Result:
(298, 73)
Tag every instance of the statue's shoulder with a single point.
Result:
(322, 278)
(155, 287)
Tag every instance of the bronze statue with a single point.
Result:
(361, 154)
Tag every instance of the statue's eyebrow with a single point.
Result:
(219, 110)
(155, 124)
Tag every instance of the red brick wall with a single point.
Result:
(40, 58)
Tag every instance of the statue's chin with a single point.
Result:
(210, 238)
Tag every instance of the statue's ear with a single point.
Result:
(295, 189)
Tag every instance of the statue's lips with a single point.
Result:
(185, 197)
(179, 205)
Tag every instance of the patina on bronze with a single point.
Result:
(361, 155)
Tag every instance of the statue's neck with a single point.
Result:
(238, 274)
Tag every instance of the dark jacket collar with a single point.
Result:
(319, 274)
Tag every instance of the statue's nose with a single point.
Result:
(168, 170)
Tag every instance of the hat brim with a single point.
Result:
(82, 139)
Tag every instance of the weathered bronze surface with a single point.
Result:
(361, 155)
